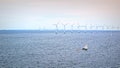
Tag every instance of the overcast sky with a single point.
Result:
(35, 14)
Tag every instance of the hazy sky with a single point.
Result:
(35, 14)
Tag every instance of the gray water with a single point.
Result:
(48, 50)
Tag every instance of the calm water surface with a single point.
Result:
(48, 50)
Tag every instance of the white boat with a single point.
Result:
(85, 47)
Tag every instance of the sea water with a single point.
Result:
(31, 49)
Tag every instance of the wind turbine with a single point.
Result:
(118, 28)
(111, 29)
(101, 27)
(90, 27)
(72, 25)
(64, 27)
(85, 27)
(108, 27)
(56, 25)
(97, 27)
(39, 28)
(78, 27)
(93, 28)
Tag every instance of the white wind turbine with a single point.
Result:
(64, 27)
(39, 28)
(97, 28)
(117, 28)
(102, 27)
(72, 25)
(90, 27)
(108, 27)
(111, 29)
(78, 27)
(85, 28)
(56, 26)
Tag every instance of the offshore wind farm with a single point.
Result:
(81, 46)
(59, 34)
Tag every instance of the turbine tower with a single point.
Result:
(111, 29)
(72, 25)
(117, 28)
(78, 27)
(99, 27)
(64, 27)
(39, 28)
(103, 27)
(90, 27)
(86, 27)
(56, 26)
(108, 27)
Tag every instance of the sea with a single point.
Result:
(59, 49)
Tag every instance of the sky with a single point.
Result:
(42, 14)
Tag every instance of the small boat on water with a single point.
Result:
(85, 47)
